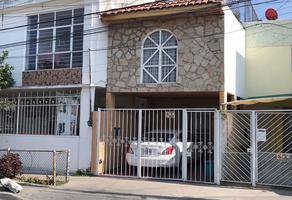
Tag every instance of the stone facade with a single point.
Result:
(52, 77)
(200, 54)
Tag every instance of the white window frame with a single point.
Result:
(160, 48)
(54, 27)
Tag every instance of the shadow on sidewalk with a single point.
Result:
(131, 195)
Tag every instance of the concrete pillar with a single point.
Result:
(110, 100)
(233, 98)
(94, 144)
(222, 99)
(85, 131)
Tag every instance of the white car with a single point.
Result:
(159, 148)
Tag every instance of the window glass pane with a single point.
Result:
(155, 37)
(31, 62)
(147, 78)
(154, 60)
(168, 77)
(171, 53)
(158, 136)
(63, 39)
(32, 22)
(77, 59)
(32, 42)
(78, 16)
(153, 71)
(45, 41)
(165, 58)
(46, 20)
(147, 53)
(171, 42)
(64, 18)
(164, 36)
(62, 60)
(45, 61)
(78, 38)
(149, 43)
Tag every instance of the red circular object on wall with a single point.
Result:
(271, 14)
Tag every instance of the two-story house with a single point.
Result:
(69, 59)
(181, 53)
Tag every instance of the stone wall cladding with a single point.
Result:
(52, 77)
(200, 54)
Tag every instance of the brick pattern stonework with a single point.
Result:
(200, 54)
(52, 77)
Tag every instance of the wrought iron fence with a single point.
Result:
(41, 113)
(43, 166)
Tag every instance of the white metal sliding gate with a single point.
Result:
(176, 144)
(254, 147)
(274, 148)
(257, 147)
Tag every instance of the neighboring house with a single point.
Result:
(48, 44)
(269, 60)
(181, 53)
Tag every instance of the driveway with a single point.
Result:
(87, 188)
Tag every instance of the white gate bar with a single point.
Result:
(184, 152)
(98, 140)
(253, 148)
(217, 152)
(139, 143)
(256, 146)
(17, 114)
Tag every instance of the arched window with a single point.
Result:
(159, 57)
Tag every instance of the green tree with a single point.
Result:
(6, 79)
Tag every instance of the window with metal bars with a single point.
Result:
(159, 57)
(55, 40)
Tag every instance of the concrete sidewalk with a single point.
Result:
(116, 188)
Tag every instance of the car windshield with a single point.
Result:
(157, 137)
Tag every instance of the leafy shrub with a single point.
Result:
(83, 172)
(10, 165)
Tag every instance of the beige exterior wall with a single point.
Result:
(268, 59)
(200, 54)
(269, 71)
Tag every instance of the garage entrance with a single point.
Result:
(254, 147)
(175, 144)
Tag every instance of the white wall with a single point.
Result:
(95, 38)
(234, 55)
(33, 142)
(112, 4)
